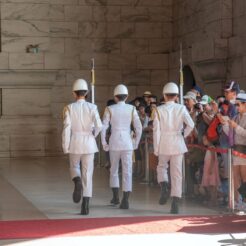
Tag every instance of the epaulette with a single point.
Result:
(152, 114)
(66, 109)
(133, 108)
(107, 109)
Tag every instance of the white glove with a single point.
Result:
(106, 147)
(134, 144)
(65, 151)
(156, 153)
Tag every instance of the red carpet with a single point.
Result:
(126, 225)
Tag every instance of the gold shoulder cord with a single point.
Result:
(157, 112)
(107, 109)
(64, 112)
(133, 113)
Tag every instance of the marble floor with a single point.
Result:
(40, 188)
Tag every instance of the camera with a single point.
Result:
(197, 106)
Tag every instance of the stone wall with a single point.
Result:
(205, 29)
(135, 42)
(129, 40)
(237, 47)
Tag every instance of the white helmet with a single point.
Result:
(171, 88)
(80, 85)
(120, 90)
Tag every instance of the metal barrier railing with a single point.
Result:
(231, 202)
(184, 187)
(146, 154)
(230, 153)
(98, 156)
(100, 159)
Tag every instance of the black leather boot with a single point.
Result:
(77, 189)
(175, 205)
(85, 206)
(124, 202)
(115, 200)
(164, 193)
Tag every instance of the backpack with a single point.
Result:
(212, 133)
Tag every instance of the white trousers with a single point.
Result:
(126, 162)
(175, 172)
(87, 167)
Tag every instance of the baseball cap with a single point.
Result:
(190, 95)
(232, 86)
(206, 100)
(198, 89)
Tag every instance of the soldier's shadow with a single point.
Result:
(233, 241)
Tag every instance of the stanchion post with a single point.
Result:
(146, 159)
(183, 178)
(231, 183)
(99, 152)
(181, 99)
(93, 81)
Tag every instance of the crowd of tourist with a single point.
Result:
(220, 124)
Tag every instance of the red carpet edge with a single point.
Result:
(32, 229)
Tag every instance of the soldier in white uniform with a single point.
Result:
(81, 125)
(169, 144)
(121, 143)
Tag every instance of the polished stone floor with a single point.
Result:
(40, 188)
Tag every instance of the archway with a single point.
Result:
(189, 78)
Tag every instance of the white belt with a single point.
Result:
(82, 133)
(171, 133)
(120, 130)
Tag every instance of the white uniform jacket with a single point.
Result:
(170, 120)
(120, 116)
(81, 125)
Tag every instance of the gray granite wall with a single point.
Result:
(206, 30)
(236, 44)
(135, 42)
(130, 41)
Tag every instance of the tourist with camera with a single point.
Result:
(204, 117)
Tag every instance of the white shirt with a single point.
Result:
(80, 127)
(120, 116)
(168, 126)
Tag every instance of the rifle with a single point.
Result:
(93, 81)
(181, 78)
